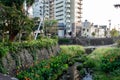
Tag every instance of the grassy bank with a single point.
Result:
(105, 63)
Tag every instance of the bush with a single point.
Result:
(97, 55)
(82, 73)
(107, 63)
(64, 41)
(50, 69)
(73, 50)
(46, 70)
(118, 43)
(105, 58)
(16, 46)
(89, 64)
(79, 67)
(71, 62)
(3, 51)
(110, 62)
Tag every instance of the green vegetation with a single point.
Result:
(50, 27)
(18, 4)
(118, 43)
(52, 68)
(105, 63)
(93, 34)
(114, 33)
(16, 46)
(64, 41)
(14, 22)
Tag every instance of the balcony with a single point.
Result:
(79, 3)
(67, 16)
(79, 12)
(68, 5)
(68, 1)
(68, 10)
(68, 21)
(79, 8)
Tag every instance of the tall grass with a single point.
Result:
(106, 63)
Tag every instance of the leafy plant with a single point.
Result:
(106, 62)
(50, 69)
(3, 51)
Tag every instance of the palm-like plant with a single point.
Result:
(51, 26)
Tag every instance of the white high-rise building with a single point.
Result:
(66, 12)
(41, 8)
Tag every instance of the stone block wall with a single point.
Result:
(25, 58)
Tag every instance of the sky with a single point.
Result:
(100, 11)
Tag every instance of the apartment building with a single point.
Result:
(41, 8)
(76, 7)
(51, 9)
(66, 12)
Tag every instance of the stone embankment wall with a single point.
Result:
(26, 58)
(86, 41)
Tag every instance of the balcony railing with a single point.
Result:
(68, 10)
(68, 20)
(68, 5)
(67, 1)
(68, 15)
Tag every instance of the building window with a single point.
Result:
(87, 30)
(83, 29)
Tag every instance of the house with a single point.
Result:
(93, 31)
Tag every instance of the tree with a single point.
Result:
(51, 26)
(105, 33)
(13, 22)
(13, 18)
(114, 33)
(93, 34)
(18, 4)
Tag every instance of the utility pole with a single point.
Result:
(41, 20)
(109, 28)
(109, 24)
(44, 16)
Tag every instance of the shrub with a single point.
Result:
(82, 73)
(64, 41)
(106, 58)
(73, 50)
(97, 55)
(16, 46)
(3, 51)
(111, 62)
(118, 43)
(89, 64)
(46, 70)
(50, 69)
(79, 67)
(107, 63)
